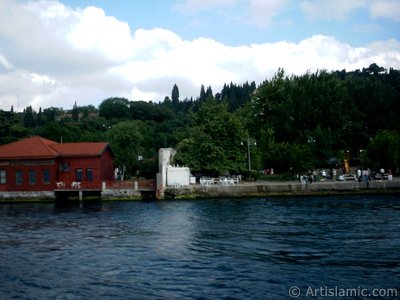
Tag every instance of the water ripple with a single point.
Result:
(204, 249)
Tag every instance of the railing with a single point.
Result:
(77, 185)
(113, 184)
(141, 184)
(147, 184)
(225, 181)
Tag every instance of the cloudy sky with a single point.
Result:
(53, 53)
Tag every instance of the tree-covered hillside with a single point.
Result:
(289, 123)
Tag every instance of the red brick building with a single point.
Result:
(38, 164)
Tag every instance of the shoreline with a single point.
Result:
(286, 188)
(241, 190)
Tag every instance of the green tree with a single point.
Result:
(29, 118)
(284, 157)
(148, 111)
(175, 96)
(51, 113)
(114, 108)
(40, 118)
(209, 93)
(383, 151)
(75, 112)
(203, 95)
(126, 140)
(57, 132)
(17, 132)
(10, 130)
(214, 142)
(313, 109)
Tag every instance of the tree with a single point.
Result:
(269, 100)
(374, 69)
(40, 118)
(51, 113)
(295, 120)
(75, 112)
(29, 119)
(114, 108)
(285, 157)
(237, 95)
(56, 131)
(126, 141)
(209, 93)
(313, 109)
(148, 111)
(203, 94)
(214, 142)
(175, 96)
(7, 123)
(383, 151)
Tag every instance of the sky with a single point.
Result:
(54, 53)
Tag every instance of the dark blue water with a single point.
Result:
(203, 249)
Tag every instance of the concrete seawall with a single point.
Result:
(27, 196)
(121, 194)
(249, 189)
(259, 189)
(51, 196)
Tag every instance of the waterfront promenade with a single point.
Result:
(242, 189)
(281, 188)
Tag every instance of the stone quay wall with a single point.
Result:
(259, 189)
(248, 189)
(27, 196)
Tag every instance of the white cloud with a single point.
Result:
(385, 9)
(256, 12)
(341, 9)
(41, 79)
(385, 53)
(261, 13)
(52, 55)
(194, 6)
(5, 63)
(367, 28)
(96, 31)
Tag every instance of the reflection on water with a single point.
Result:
(203, 249)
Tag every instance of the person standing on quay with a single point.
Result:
(365, 173)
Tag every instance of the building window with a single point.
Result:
(32, 177)
(65, 167)
(46, 177)
(3, 177)
(19, 179)
(89, 174)
(79, 174)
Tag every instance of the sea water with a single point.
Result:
(260, 248)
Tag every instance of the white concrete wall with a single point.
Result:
(165, 157)
(178, 176)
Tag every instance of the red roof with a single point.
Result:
(37, 147)
(80, 149)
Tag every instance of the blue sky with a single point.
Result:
(231, 25)
(56, 52)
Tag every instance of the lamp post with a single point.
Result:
(249, 143)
